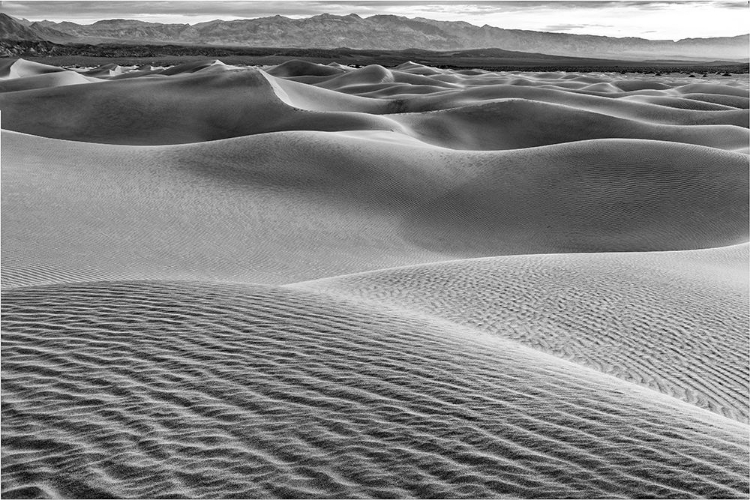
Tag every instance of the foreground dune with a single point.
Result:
(323, 281)
(218, 390)
(597, 310)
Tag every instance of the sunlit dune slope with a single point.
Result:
(676, 322)
(151, 389)
(249, 209)
(45, 80)
(21, 68)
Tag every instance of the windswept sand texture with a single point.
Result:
(322, 281)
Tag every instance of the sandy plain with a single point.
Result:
(321, 281)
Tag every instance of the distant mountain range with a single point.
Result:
(376, 32)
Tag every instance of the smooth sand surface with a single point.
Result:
(323, 281)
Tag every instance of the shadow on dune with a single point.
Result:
(209, 104)
(594, 196)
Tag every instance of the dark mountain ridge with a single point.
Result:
(23, 30)
(384, 32)
(11, 29)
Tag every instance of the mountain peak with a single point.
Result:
(12, 29)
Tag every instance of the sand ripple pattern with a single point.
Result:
(136, 389)
(662, 320)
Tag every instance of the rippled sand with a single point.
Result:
(322, 281)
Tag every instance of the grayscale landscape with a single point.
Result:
(371, 256)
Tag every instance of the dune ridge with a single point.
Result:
(336, 282)
(598, 310)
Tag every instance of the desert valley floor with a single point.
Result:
(321, 281)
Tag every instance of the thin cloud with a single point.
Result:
(563, 27)
(734, 5)
(77, 9)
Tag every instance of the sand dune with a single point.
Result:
(222, 104)
(105, 70)
(216, 208)
(645, 112)
(301, 96)
(21, 68)
(44, 80)
(712, 88)
(375, 74)
(597, 310)
(490, 115)
(216, 390)
(304, 68)
(325, 281)
(724, 100)
(678, 102)
(519, 123)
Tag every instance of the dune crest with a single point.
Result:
(597, 310)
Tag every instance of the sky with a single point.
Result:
(666, 20)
